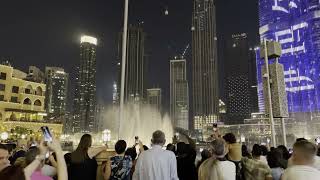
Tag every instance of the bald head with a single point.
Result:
(158, 138)
(304, 152)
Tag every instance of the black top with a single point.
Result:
(86, 170)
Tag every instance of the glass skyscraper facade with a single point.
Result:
(85, 88)
(179, 95)
(205, 102)
(239, 78)
(57, 89)
(135, 81)
(296, 25)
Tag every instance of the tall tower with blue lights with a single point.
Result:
(296, 25)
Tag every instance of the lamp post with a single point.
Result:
(4, 136)
(272, 49)
(267, 76)
(123, 62)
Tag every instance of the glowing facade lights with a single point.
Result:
(89, 39)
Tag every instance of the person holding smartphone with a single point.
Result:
(36, 156)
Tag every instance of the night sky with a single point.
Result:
(47, 33)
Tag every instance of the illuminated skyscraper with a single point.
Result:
(134, 89)
(239, 79)
(85, 91)
(179, 95)
(296, 25)
(56, 94)
(204, 64)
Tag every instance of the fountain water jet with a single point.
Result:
(138, 120)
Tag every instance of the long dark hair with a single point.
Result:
(81, 153)
(12, 173)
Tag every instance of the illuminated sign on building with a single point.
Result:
(296, 25)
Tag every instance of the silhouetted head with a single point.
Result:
(81, 153)
(274, 157)
(132, 153)
(284, 151)
(264, 150)
(120, 146)
(230, 138)
(181, 148)
(145, 147)
(12, 173)
(205, 154)
(158, 138)
(31, 155)
(303, 153)
(256, 150)
(171, 147)
(85, 142)
(4, 156)
(218, 147)
(301, 139)
(245, 152)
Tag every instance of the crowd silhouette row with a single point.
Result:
(223, 159)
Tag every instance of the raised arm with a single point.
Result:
(36, 163)
(53, 161)
(190, 141)
(33, 166)
(61, 164)
(92, 152)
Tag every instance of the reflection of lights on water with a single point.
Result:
(4, 136)
(23, 136)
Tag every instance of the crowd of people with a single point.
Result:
(224, 159)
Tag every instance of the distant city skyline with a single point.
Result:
(27, 39)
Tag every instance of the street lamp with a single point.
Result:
(272, 49)
(4, 136)
(267, 76)
(106, 135)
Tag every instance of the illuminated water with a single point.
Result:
(139, 120)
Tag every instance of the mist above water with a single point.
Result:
(139, 120)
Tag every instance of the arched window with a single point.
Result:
(37, 102)
(28, 89)
(27, 101)
(38, 91)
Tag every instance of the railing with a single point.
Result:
(33, 120)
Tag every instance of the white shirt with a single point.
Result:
(156, 164)
(316, 163)
(299, 172)
(48, 170)
(263, 159)
(228, 170)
